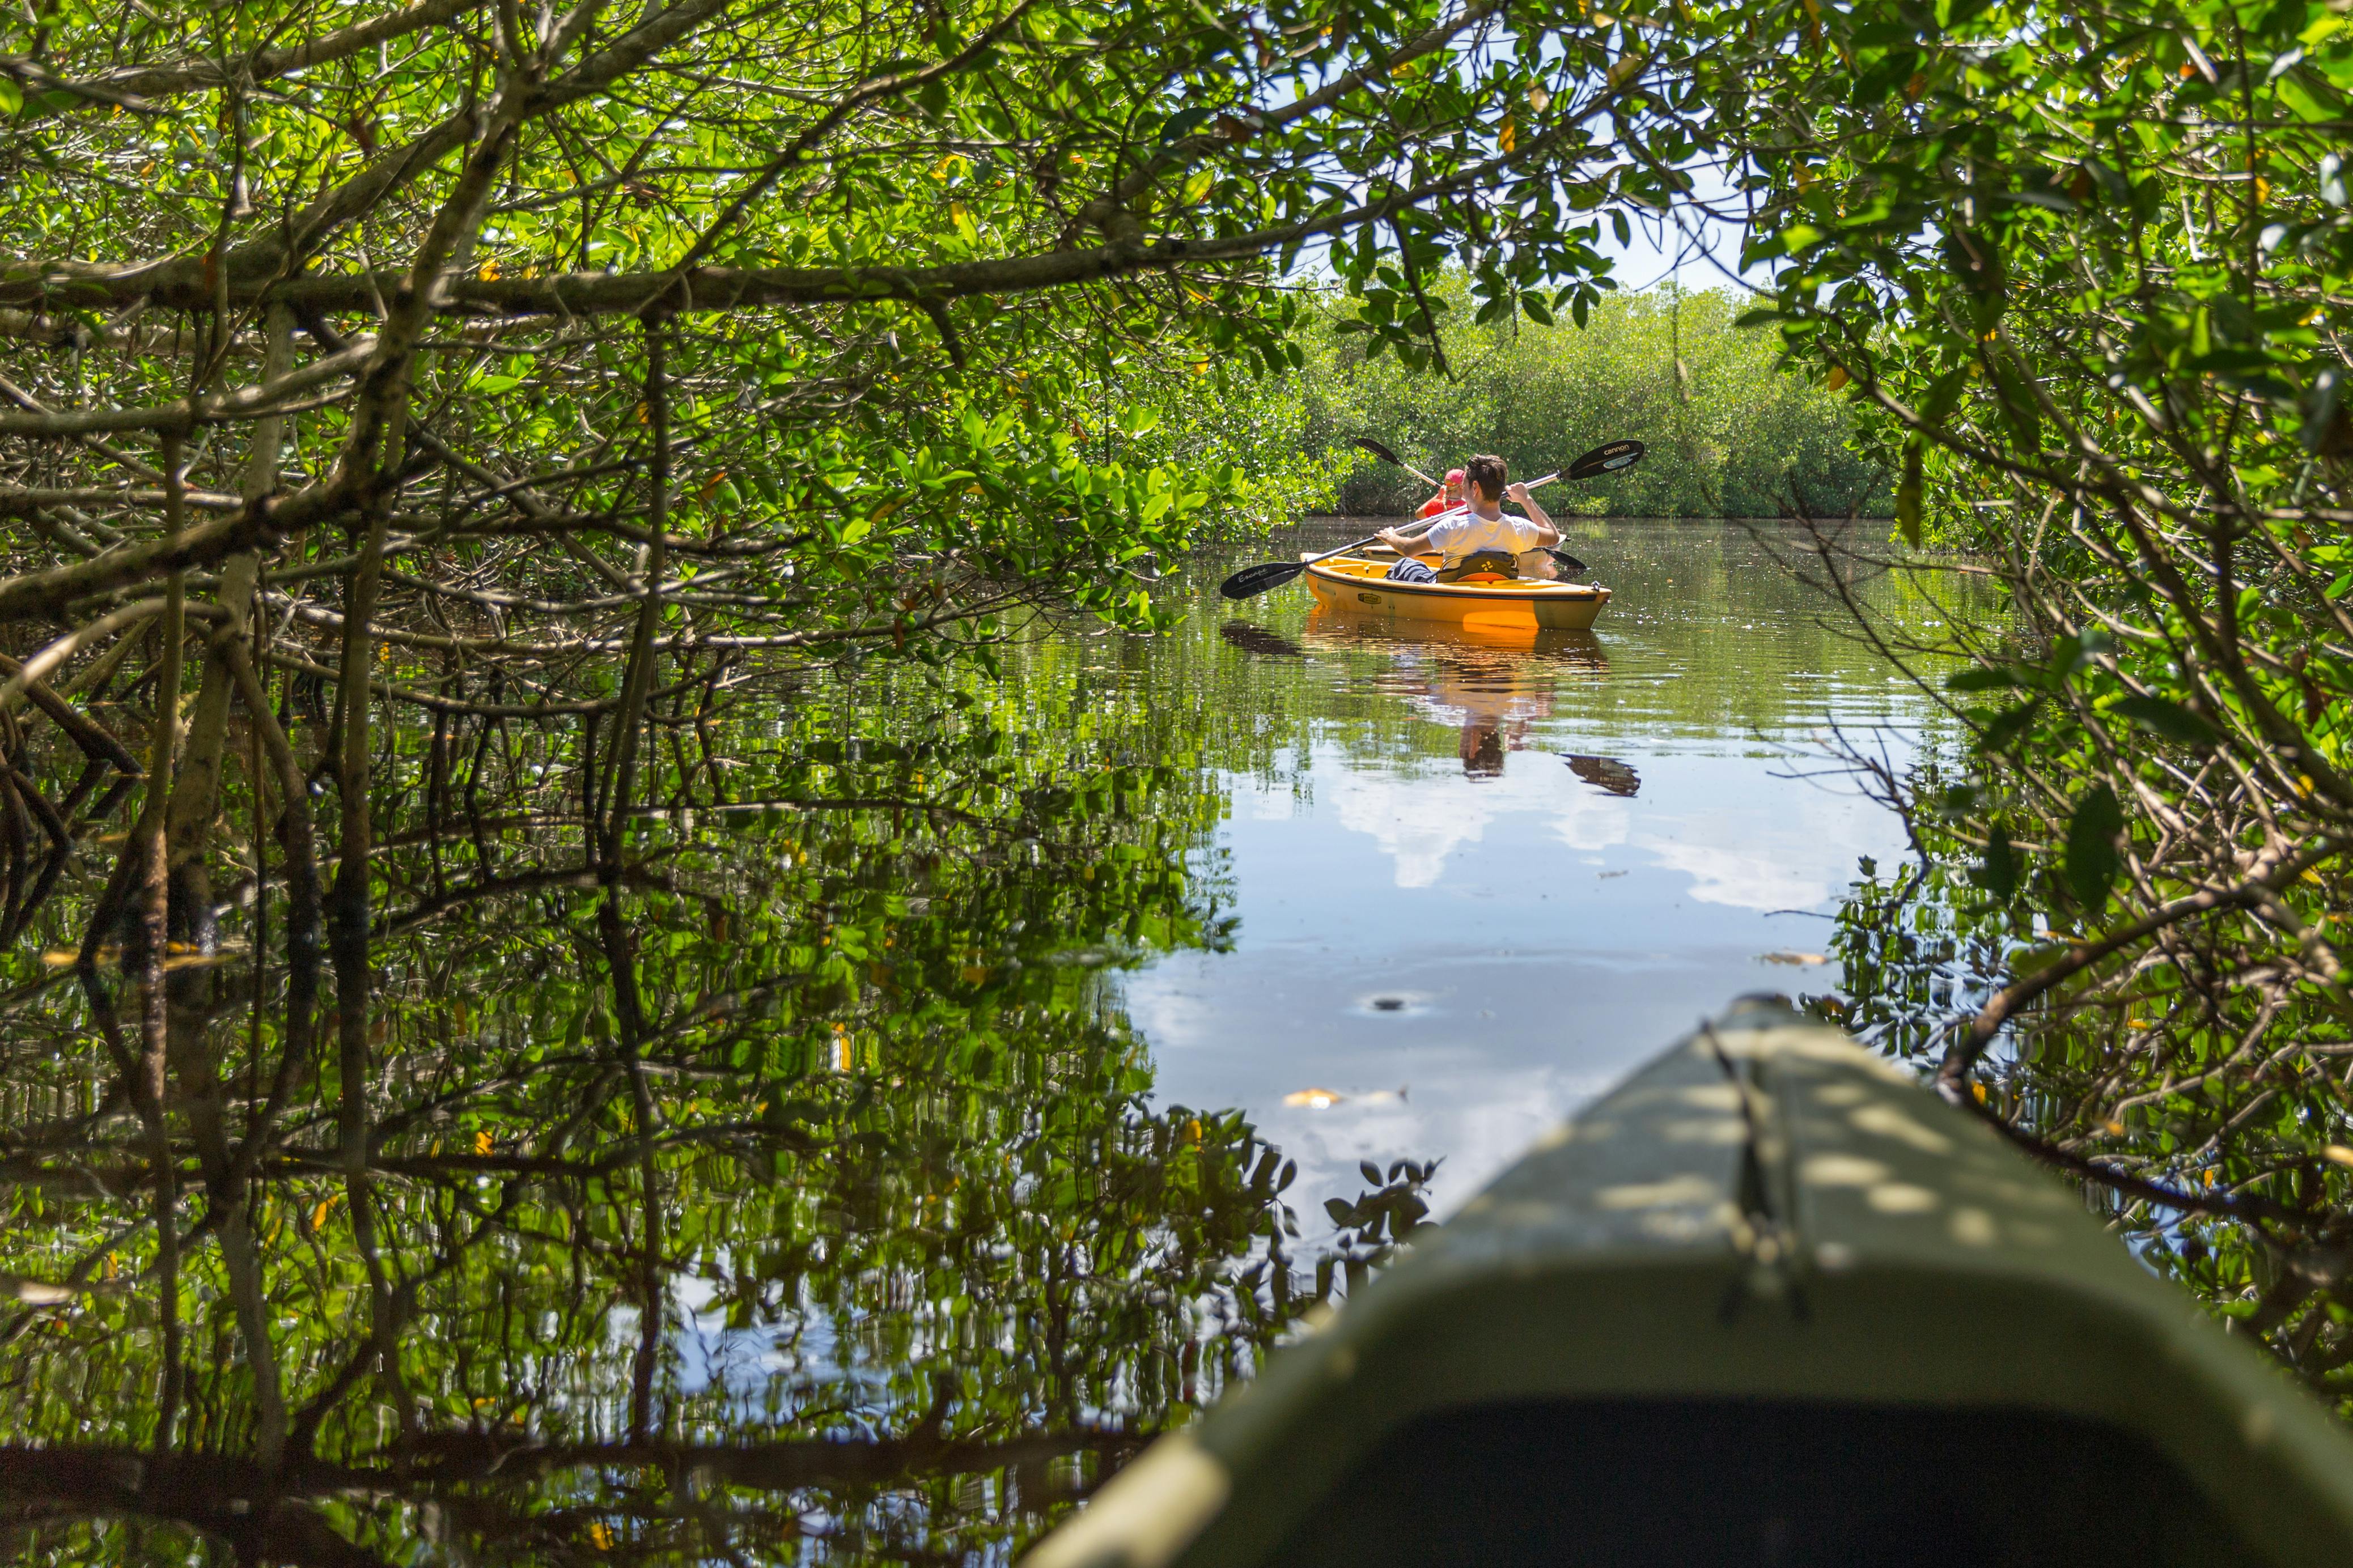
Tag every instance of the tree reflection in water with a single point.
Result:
(775, 1179)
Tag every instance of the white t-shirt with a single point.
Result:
(1461, 536)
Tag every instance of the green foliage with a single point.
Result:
(887, 1174)
(2088, 271)
(1012, 274)
(1729, 432)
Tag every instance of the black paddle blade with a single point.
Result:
(1606, 458)
(1378, 450)
(1568, 564)
(1252, 581)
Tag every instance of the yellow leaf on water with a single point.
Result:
(59, 957)
(1314, 1099)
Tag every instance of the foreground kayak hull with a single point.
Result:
(1768, 1302)
(1357, 585)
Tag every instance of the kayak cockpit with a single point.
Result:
(1743, 1483)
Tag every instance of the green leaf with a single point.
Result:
(2090, 861)
(1981, 679)
(2008, 726)
(1944, 394)
(2168, 720)
(1998, 872)
(2018, 404)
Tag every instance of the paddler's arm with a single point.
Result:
(1405, 543)
(1546, 534)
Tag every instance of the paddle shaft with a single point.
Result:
(1386, 456)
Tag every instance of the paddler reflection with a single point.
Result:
(1494, 688)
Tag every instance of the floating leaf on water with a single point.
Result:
(1314, 1099)
(1794, 960)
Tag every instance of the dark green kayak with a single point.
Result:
(1767, 1303)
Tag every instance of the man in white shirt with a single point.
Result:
(1481, 540)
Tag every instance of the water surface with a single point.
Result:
(1480, 877)
(950, 1088)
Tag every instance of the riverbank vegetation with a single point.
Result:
(2092, 303)
(1729, 434)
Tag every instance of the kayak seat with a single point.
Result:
(1483, 566)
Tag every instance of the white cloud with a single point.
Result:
(1744, 878)
(1419, 819)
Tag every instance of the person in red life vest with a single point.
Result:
(1448, 496)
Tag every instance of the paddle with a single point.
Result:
(1386, 456)
(1252, 581)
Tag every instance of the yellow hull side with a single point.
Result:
(1359, 587)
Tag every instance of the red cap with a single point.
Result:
(1457, 477)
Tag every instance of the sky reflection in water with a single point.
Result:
(1557, 850)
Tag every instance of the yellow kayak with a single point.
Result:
(1359, 585)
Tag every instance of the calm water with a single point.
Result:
(1477, 880)
(1005, 1038)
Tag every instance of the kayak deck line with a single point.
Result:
(1361, 586)
(1768, 1301)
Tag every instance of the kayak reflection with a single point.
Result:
(1491, 684)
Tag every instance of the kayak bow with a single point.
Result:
(1768, 1302)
